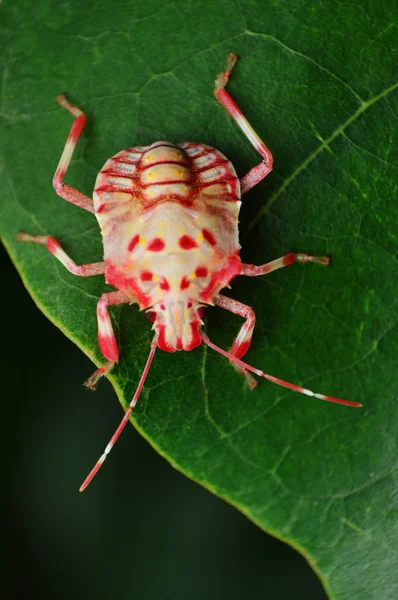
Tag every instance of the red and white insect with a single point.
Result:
(168, 214)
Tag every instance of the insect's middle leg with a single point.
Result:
(106, 337)
(53, 246)
(243, 339)
(259, 172)
(283, 261)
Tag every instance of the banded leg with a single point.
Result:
(259, 172)
(243, 339)
(284, 261)
(65, 191)
(106, 337)
(53, 246)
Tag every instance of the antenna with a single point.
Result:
(285, 384)
(125, 419)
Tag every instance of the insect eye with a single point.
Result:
(202, 310)
(151, 315)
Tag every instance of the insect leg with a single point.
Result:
(65, 191)
(285, 384)
(243, 339)
(259, 172)
(56, 249)
(125, 419)
(284, 261)
(106, 337)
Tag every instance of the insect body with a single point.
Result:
(168, 214)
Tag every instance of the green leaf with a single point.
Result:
(319, 82)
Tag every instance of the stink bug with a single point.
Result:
(168, 214)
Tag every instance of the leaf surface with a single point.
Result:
(319, 82)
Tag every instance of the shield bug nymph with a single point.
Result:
(168, 214)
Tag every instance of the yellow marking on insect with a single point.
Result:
(192, 275)
(149, 158)
(155, 278)
(162, 227)
(141, 241)
(152, 175)
(200, 237)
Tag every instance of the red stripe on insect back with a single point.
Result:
(160, 144)
(184, 183)
(181, 163)
(217, 161)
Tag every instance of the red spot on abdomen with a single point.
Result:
(133, 243)
(201, 272)
(146, 276)
(164, 285)
(156, 245)
(187, 243)
(209, 237)
(185, 283)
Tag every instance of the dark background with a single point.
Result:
(142, 530)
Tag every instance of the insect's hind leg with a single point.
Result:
(65, 191)
(243, 340)
(106, 337)
(53, 246)
(259, 172)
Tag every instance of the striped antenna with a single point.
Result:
(125, 419)
(285, 384)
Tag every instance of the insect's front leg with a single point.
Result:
(283, 261)
(243, 339)
(259, 172)
(65, 191)
(106, 337)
